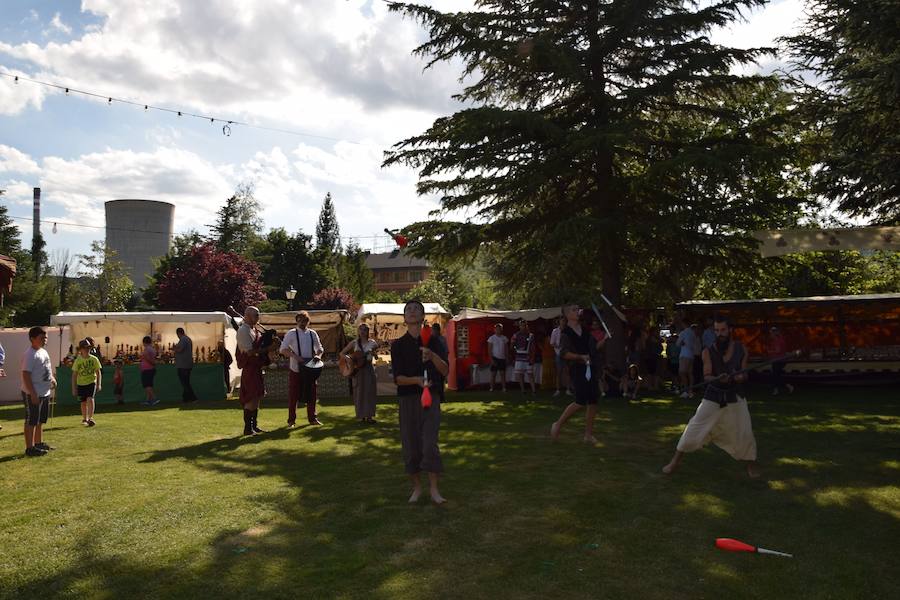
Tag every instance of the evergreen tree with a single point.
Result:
(238, 222)
(328, 233)
(599, 132)
(847, 60)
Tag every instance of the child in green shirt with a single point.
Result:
(86, 381)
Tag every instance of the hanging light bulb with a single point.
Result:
(226, 130)
(54, 228)
(109, 101)
(67, 90)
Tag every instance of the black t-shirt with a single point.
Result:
(406, 360)
(577, 344)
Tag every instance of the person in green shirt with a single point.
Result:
(87, 376)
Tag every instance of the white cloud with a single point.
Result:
(13, 160)
(16, 97)
(290, 185)
(57, 23)
(323, 67)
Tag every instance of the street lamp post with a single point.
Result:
(290, 295)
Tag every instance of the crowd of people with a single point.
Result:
(710, 359)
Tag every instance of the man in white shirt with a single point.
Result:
(302, 345)
(498, 349)
(37, 382)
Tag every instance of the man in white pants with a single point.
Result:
(722, 417)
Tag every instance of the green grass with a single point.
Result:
(171, 503)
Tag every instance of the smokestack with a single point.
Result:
(36, 218)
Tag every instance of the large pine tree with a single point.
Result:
(848, 65)
(328, 232)
(599, 133)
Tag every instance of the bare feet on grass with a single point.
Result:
(416, 494)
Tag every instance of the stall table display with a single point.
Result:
(118, 336)
(207, 380)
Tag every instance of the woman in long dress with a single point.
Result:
(364, 384)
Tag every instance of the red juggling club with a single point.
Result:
(738, 546)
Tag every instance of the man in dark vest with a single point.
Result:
(722, 417)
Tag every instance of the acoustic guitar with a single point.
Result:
(350, 364)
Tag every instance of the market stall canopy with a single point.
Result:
(329, 324)
(7, 273)
(379, 309)
(779, 242)
(206, 329)
(386, 319)
(529, 314)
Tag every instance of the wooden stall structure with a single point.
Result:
(835, 334)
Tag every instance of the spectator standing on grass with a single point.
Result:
(227, 359)
(498, 349)
(184, 362)
(777, 348)
(522, 344)
(37, 383)
(687, 343)
(148, 371)
(709, 335)
(86, 381)
(561, 368)
(119, 382)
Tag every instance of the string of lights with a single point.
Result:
(227, 124)
(346, 238)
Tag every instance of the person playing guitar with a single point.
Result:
(357, 361)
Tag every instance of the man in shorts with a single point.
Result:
(579, 350)
(87, 376)
(37, 383)
(722, 416)
(522, 344)
(498, 349)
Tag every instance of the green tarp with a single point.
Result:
(207, 380)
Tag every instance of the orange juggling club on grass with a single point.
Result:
(738, 546)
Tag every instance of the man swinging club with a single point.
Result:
(722, 417)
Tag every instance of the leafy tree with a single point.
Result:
(182, 244)
(333, 299)
(846, 59)
(328, 232)
(290, 261)
(353, 273)
(104, 285)
(598, 133)
(237, 223)
(208, 279)
(31, 301)
(431, 290)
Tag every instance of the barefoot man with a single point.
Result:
(419, 426)
(722, 417)
(577, 348)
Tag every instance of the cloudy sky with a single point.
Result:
(338, 71)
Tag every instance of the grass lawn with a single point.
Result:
(170, 502)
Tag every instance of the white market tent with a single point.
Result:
(128, 328)
(386, 320)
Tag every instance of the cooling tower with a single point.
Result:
(139, 231)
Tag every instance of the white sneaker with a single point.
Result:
(569, 393)
(556, 393)
(775, 392)
(790, 389)
(684, 395)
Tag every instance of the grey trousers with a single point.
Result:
(419, 434)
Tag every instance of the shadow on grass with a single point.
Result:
(530, 519)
